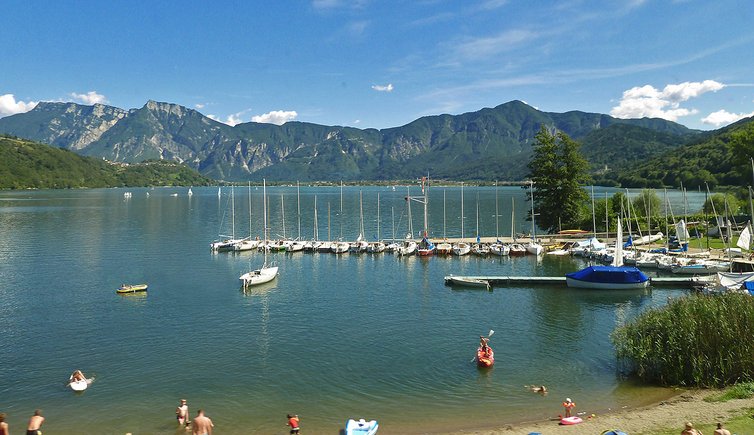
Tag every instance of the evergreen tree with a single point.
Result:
(559, 171)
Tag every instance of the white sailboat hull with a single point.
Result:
(259, 276)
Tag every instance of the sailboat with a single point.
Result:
(479, 249)
(516, 248)
(360, 245)
(498, 248)
(378, 246)
(190, 192)
(313, 244)
(340, 247)
(444, 248)
(229, 243)
(461, 248)
(613, 277)
(425, 247)
(248, 243)
(533, 247)
(266, 273)
(298, 244)
(409, 245)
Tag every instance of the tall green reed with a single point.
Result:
(699, 340)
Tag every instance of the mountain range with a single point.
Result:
(489, 144)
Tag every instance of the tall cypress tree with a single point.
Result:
(559, 172)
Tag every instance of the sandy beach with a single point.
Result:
(672, 413)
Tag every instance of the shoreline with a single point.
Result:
(686, 405)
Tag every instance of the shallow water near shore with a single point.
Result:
(334, 337)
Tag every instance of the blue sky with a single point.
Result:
(370, 63)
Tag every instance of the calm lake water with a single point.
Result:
(334, 337)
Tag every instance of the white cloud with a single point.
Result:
(277, 117)
(648, 101)
(479, 48)
(383, 88)
(232, 120)
(91, 97)
(723, 117)
(9, 105)
(199, 105)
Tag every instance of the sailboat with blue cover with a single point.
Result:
(613, 277)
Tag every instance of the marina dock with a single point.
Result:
(502, 281)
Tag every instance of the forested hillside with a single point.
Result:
(30, 165)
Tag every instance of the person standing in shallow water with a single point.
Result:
(182, 413)
(3, 424)
(35, 422)
(202, 425)
(568, 405)
(293, 423)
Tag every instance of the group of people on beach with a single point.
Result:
(202, 425)
(690, 430)
(35, 422)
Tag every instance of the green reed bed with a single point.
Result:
(703, 341)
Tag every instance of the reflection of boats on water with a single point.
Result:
(259, 289)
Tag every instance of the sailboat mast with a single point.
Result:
(513, 218)
(378, 216)
(341, 211)
(282, 212)
(410, 234)
(250, 232)
(477, 215)
(533, 226)
(233, 214)
(316, 230)
(264, 208)
(392, 213)
(497, 224)
(425, 188)
(329, 238)
(607, 218)
(443, 215)
(361, 217)
(594, 218)
(298, 208)
(462, 235)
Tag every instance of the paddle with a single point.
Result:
(488, 336)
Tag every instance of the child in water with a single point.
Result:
(293, 423)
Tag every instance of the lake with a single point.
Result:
(334, 337)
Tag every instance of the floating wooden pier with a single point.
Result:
(670, 281)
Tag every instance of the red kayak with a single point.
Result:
(485, 358)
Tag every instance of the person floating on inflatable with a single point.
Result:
(568, 405)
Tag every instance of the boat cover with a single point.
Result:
(609, 275)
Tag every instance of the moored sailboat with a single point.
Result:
(266, 273)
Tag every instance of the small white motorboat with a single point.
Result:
(466, 281)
